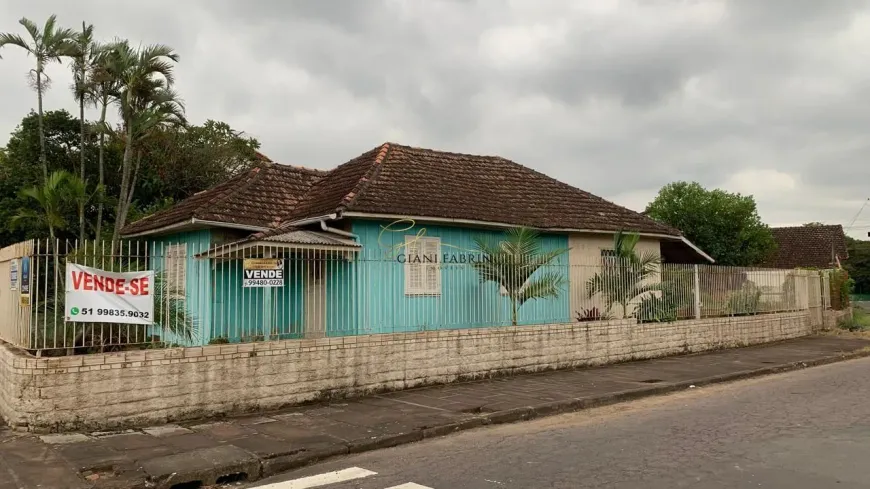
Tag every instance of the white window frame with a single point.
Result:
(175, 270)
(417, 246)
(608, 257)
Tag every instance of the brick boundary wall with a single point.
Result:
(831, 318)
(113, 390)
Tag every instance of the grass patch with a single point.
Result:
(860, 321)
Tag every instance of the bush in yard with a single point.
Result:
(591, 314)
(745, 301)
(660, 309)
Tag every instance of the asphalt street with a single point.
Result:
(808, 429)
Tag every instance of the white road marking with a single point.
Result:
(409, 485)
(324, 479)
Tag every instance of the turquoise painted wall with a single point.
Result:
(244, 313)
(198, 294)
(464, 302)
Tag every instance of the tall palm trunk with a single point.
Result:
(42, 158)
(121, 208)
(82, 164)
(101, 176)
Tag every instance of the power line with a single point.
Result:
(849, 227)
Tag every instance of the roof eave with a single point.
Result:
(193, 223)
(500, 225)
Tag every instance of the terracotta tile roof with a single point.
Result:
(808, 246)
(258, 197)
(401, 180)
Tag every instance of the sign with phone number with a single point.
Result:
(87, 313)
(98, 296)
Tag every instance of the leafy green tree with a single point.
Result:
(512, 264)
(725, 225)
(146, 103)
(18, 171)
(46, 46)
(48, 203)
(858, 264)
(83, 53)
(179, 161)
(626, 275)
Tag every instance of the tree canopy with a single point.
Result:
(725, 225)
(176, 164)
(858, 264)
(104, 174)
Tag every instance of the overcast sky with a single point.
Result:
(770, 98)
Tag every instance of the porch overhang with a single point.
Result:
(289, 240)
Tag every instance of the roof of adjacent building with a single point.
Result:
(814, 246)
(399, 180)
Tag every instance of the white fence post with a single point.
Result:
(697, 293)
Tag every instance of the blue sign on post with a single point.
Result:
(24, 282)
(25, 275)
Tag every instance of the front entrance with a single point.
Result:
(315, 300)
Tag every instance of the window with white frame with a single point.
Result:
(175, 270)
(422, 270)
(609, 258)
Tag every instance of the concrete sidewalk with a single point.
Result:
(266, 444)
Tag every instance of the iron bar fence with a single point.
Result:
(260, 293)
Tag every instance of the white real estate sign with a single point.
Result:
(263, 272)
(98, 296)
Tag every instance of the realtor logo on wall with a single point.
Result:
(263, 272)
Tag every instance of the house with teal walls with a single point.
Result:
(387, 242)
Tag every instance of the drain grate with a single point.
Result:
(187, 485)
(651, 381)
(230, 478)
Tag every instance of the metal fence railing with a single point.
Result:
(88, 297)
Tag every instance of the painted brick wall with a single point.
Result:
(154, 386)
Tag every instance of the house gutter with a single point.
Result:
(322, 220)
(339, 232)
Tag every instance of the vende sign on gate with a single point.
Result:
(263, 272)
(98, 296)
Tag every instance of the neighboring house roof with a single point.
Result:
(256, 199)
(808, 246)
(400, 180)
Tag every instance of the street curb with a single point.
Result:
(270, 466)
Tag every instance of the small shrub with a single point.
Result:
(653, 309)
(253, 338)
(745, 301)
(850, 324)
(219, 340)
(591, 314)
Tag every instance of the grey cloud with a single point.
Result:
(622, 101)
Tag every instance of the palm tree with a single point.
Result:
(50, 201)
(46, 46)
(83, 58)
(146, 103)
(103, 85)
(515, 264)
(625, 274)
